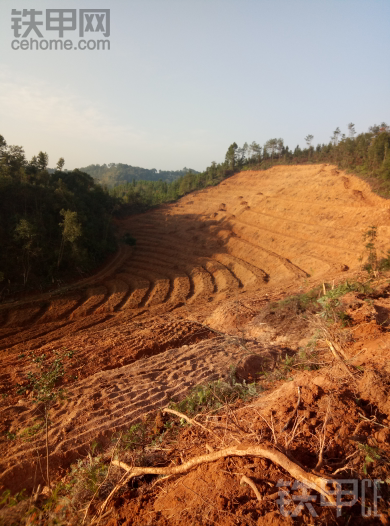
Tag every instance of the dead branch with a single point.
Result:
(160, 480)
(105, 478)
(347, 465)
(188, 419)
(338, 357)
(340, 350)
(247, 480)
(273, 496)
(371, 420)
(106, 514)
(309, 479)
(323, 439)
(272, 428)
(293, 434)
(35, 494)
(180, 415)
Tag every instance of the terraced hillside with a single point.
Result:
(138, 326)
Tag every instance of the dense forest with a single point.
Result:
(56, 224)
(366, 154)
(115, 174)
(52, 225)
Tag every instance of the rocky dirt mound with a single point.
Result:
(323, 411)
(331, 422)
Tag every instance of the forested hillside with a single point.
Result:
(115, 174)
(366, 154)
(51, 225)
(58, 223)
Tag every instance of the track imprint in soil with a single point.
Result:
(134, 325)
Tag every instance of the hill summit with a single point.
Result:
(114, 174)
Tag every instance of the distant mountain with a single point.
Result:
(115, 174)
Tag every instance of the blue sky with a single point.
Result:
(185, 78)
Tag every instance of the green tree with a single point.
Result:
(351, 129)
(71, 230)
(378, 151)
(255, 150)
(279, 146)
(43, 384)
(231, 156)
(272, 146)
(335, 136)
(3, 146)
(42, 161)
(309, 139)
(370, 236)
(25, 233)
(13, 162)
(242, 154)
(60, 164)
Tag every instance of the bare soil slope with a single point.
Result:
(138, 325)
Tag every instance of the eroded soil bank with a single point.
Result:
(192, 299)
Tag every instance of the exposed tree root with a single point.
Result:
(247, 480)
(322, 440)
(188, 419)
(309, 479)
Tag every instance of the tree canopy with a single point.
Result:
(52, 225)
(367, 153)
(114, 174)
(57, 223)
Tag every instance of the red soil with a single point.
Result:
(216, 257)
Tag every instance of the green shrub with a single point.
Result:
(214, 395)
(129, 240)
(8, 500)
(88, 474)
(331, 305)
(300, 302)
(384, 263)
(371, 455)
(134, 437)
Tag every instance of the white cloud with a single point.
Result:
(31, 102)
(40, 115)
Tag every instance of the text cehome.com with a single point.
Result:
(67, 45)
(31, 22)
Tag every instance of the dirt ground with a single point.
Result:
(154, 322)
